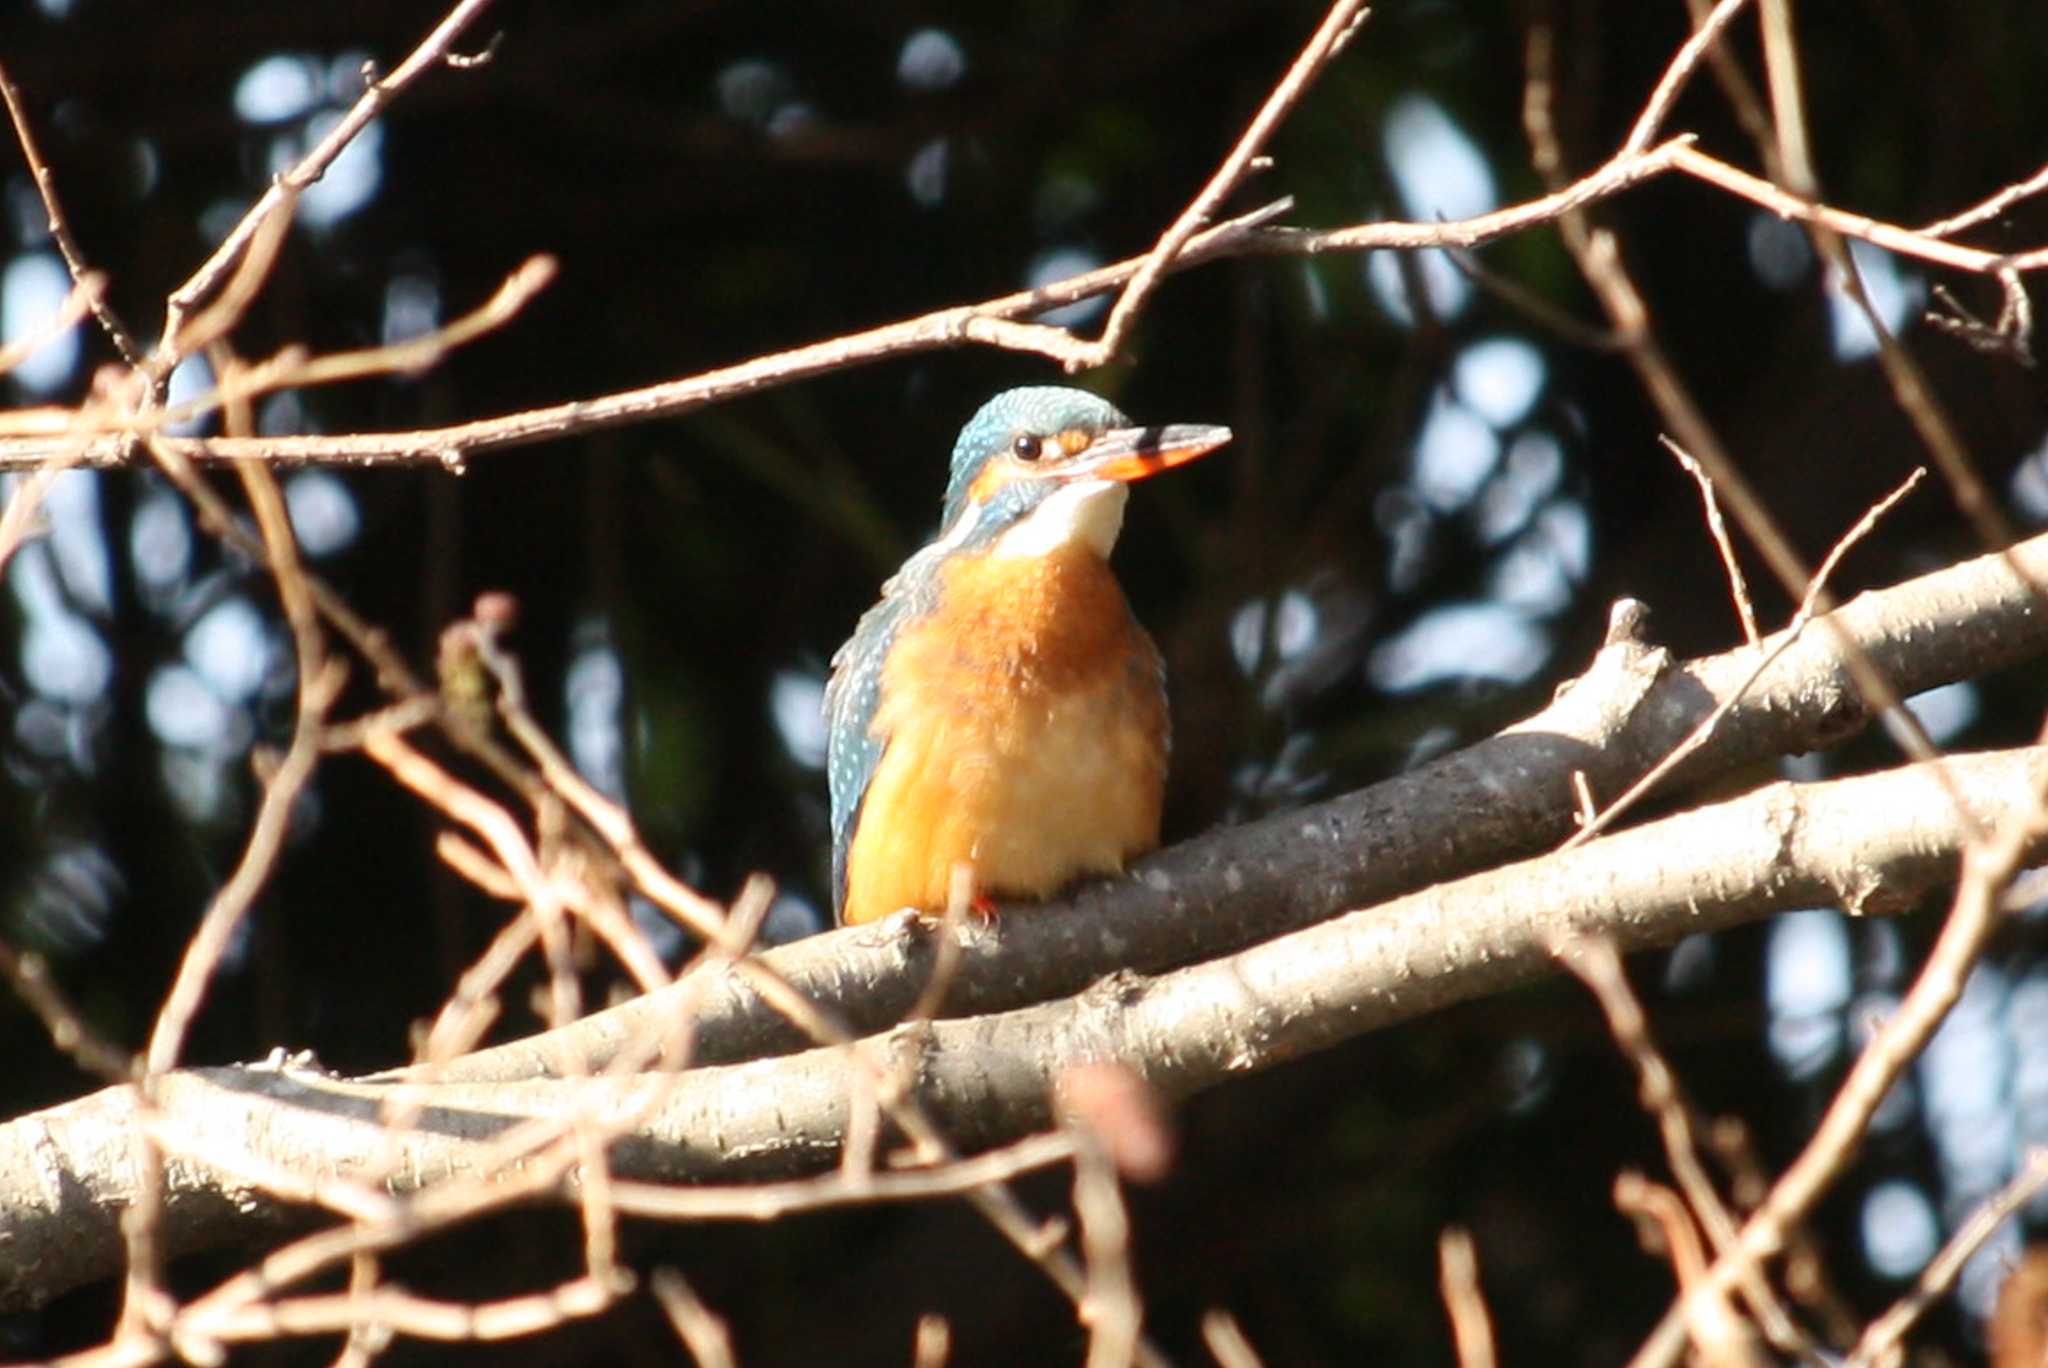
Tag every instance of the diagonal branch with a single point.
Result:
(1504, 798)
(376, 96)
(989, 1079)
(1329, 38)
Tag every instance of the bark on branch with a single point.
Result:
(237, 1136)
(1504, 798)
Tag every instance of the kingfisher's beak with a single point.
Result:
(1128, 454)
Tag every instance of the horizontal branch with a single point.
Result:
(450, 446)
(65, 1173)
(992, 322)
(1505, 798)
(958, 326)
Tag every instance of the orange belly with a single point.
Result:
(1025, 729)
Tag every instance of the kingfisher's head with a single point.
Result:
(1044, 467)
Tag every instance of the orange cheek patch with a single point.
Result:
(1074, 441)
(989, 483)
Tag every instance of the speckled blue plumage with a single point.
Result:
(1043, 409)
(854, 690)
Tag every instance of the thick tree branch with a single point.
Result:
(1507, 797)
(238, 1134)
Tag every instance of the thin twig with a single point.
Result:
(1458, 1278)
(376, 96)
(245, 282)
(1880, 1343)
(1990, 208)
(29, 973)
(1809, 606)
(946, 962)
(1805, 1272)
(1110, 1310)
(18, 521)
(1531, 302)
(695, 912)
(1735, 84)
(482, 816)
(1330, 36)
(1227, 1341)
(1897, 1043)
(367, 1337)
(420, 1317)
(931, 1344)
(1737, 586)
(1890, 236)
(292, 369)
(1680, 69)
(319, 684)
(2012, 335)
(1596, 964)
(60, 226)
(700, 1328)
(86, 295)
(1719, 1336)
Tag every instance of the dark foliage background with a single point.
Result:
(1413, 539)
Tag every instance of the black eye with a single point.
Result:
(1027, 446)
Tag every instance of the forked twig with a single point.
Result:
(376, 96)
(1809, 606)
(1338, 25)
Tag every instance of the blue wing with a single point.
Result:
(851, 697)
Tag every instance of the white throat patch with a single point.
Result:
(1087, 513)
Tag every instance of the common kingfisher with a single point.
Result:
(1000, 707)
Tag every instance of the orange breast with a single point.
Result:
(1025, 723)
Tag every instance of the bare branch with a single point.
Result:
(1987, 865)
(1880, 1343)
(376, 96)
(1458, 1276)
(1330, 36)
(697, 1326)
(29, 974)
(1595, 963)
(1676, 73)
(1227, 1340)
(1509, 796)
(60, 230)
(1700, 735)
(1111, 1310)
(1738, 588)
(986, 1079)
(86, 295)
(1991, 208)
